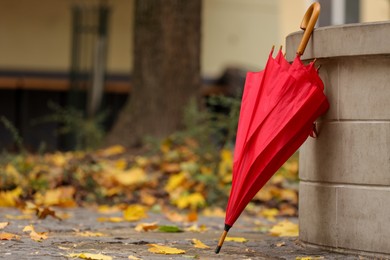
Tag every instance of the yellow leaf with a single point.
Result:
(175, 181)
(175, 217)
(89, 234)
(35, 235)
(309, 258)
(120, 164)
(146, 226)
(285, 229)
(112, 150)
(134, 257)
(8, 236)
(21, 217)
(269, 214)
(134, 176)
(166, 250)
(134, 212)
(236, 239)
(214, 212)
(111, 219)
(10, 198)
(91, 256)
(105, 209)
(280, 244)
(192, 201)
(196, 228)
(199, 244)
(3, 224)
(61, 196)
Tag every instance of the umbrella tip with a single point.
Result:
(217, 249)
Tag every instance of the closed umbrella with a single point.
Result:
(278, 108)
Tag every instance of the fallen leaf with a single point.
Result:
(175, 217)
(10, 198)
(269, 214)
(134, 258)
(236, 239)
(199, 244)
(35, 235)
(196, 228)
(91, 256)
(18, 217)
(89, 234)
(214, 212)
(175, 181)
(166, 250)
(61, 196)
(170, 229)
(280, 244)
(111, 219)
(8, 236)
(192, 201)
(3, 224)
(146, 226)
(192, 216)
(134, 212)
(309, 257)
(134, 176)
(112, 150)
(285, 229)
(105, 209)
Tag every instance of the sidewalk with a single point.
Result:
(120, 240)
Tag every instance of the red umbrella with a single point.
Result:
(278, 108)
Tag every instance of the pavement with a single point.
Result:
(120, 240)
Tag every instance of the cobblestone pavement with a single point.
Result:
(120, 240)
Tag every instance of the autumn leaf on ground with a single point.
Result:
(3, 224)
(214, 212)
(18, 217)
(196, 228)
(309, 257)
(170, 229)
(175, 217)
(280, 244)
(89, 234)
(8, 236)
(134, 257)
(105, 209)
(42, 212)
(269, 214)
(10, 198)
(146, 226)
(134, 212)
(91, 256)
(199, 244)
(285, 228)
(111, 151)
(236, 239)
(134, 176)
(35, 235)
(111, 219)
(166, 250)
(193, 201)
(61, 196)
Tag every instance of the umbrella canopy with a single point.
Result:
(278, 108)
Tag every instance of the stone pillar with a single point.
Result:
(345, 173)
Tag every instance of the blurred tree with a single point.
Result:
(166, 72)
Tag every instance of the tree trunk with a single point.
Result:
(166, 70)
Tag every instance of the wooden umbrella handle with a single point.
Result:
(307, 24)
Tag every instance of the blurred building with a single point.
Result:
(79, 52)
